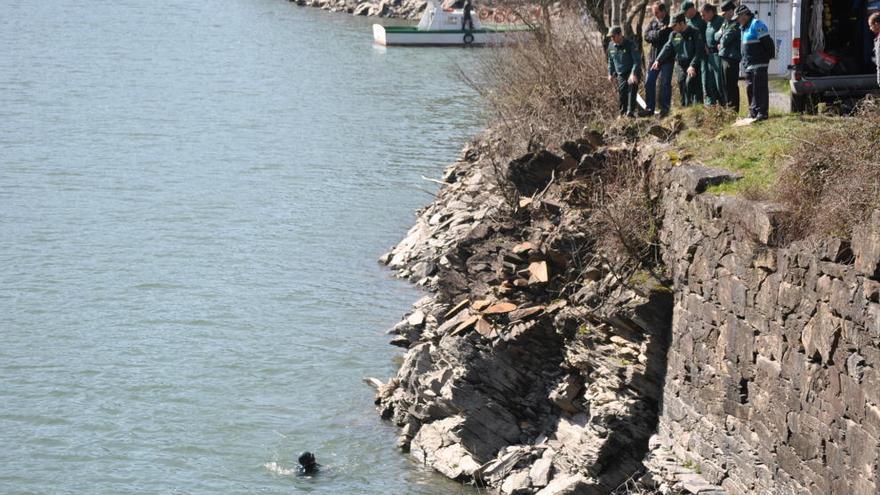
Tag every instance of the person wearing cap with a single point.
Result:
(695, 21)
(687, 48)
(624, 66)
(730, 52)
(690, 12)
(657, 35)
(713, 85)
(758, 48)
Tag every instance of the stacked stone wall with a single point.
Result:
(773, 380)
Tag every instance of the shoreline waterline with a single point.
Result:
(193, 201)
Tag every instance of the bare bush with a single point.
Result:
(833, 180)
(708, 120)
(546, 87)
(624, 219)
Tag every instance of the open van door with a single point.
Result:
(832, 51)
(776, 14)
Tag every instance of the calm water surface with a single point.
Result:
(192, 197)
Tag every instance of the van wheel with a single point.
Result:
(803, 104)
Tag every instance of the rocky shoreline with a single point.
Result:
(402, 9)
(535, 365)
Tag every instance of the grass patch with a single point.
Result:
(780, 85)
(645, 280)
(757, 152)
(693, 466)
(822, 169)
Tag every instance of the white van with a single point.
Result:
(776, 14)
(832, 51)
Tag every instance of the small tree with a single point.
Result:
(628, 14)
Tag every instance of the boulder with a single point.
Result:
(517, 483)
(532, 172)
(416, 318)
(821, 333)
(362, 9)
(436, 445)
(696, 178)
(866, 247)
(575, 484)
(564, 396)
(542, 469)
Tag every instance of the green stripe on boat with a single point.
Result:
(414, 30)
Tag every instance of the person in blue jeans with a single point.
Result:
(657, 35)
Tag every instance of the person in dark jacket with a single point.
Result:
(695, 21)
(624, 66)
(713, 84)
(657, 35)
(758, 48)
(687, 48)
(874, 26)
(467, 21)
(728, 41)
(307, 463)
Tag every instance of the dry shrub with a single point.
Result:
(544, 88)
(833, 180)
(624, 219)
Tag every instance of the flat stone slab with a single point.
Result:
(697, 178)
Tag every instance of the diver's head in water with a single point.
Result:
(307, 462)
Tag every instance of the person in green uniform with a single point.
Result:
(695, 21)
(730, 52)
(624, 67)
(713, 83)
(687, 47)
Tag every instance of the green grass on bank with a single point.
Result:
(780, 85)
(757, 152)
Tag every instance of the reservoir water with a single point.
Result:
(192, 198)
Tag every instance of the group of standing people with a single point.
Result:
(709, 48)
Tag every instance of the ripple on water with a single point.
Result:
(192, 200)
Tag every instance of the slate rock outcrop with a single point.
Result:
(535, 365)
(527, 370)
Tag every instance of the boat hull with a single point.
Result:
(412, 37)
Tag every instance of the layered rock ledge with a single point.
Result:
(537, 364)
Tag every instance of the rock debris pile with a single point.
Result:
(535, 365)
(404, 9)
(541, 363)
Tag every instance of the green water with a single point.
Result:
(192, 198)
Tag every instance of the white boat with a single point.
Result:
(443, 27)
